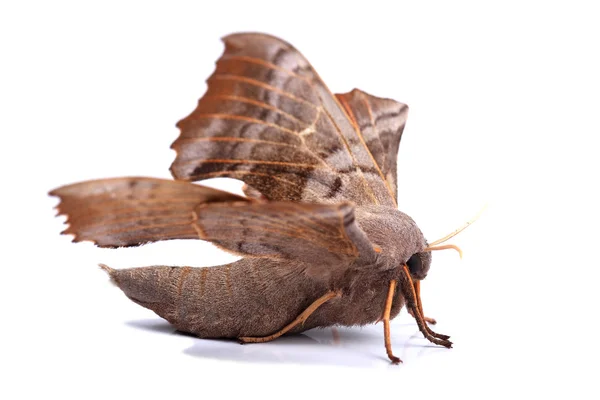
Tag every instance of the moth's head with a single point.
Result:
(397, 236)
(400, 241)
(418, 264)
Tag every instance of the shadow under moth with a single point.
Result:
(322, 239)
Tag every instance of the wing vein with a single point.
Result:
(262, 85)
(233, 161)
(258, 103)
(235, 139)
(265, 63)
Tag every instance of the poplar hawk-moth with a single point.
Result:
(320, 234)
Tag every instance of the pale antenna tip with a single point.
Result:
(444, 247)
(459, 230)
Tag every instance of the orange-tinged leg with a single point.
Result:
(299, 320)
(386, 323)
(410, 296)
(417, 286)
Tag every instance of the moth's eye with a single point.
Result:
(415, 264)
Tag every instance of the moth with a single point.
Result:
(319, 231)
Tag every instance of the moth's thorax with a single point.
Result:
(396, 234)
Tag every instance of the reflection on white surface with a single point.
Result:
(341, 346)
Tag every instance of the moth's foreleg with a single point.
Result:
(417, 287)
(386, 323)
(408, 291)
(299, 320)
(429, 320)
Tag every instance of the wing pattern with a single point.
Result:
(132, 211)
(268, 119)
(315, 233)
(122, 212)
(381, 122)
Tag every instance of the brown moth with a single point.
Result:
(322, 240)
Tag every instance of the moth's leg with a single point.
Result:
(386, 323)
(417, 287)
(419, 308)
(299, 320)
(410, 296)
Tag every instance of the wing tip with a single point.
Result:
(176, 172)
(58, 192)
(230, 38)
(356, 92)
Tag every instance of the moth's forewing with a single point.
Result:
(317, 234)
(269, 120)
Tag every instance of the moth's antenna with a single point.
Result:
(456, 232)
(444, 247)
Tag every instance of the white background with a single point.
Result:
(504, 107)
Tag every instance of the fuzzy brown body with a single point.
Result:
(251, 297)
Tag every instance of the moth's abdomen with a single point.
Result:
(250, 297)
(150, 287)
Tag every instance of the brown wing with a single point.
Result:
(133, 211)
(269, 120)
(381, 122)
(322, 234)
